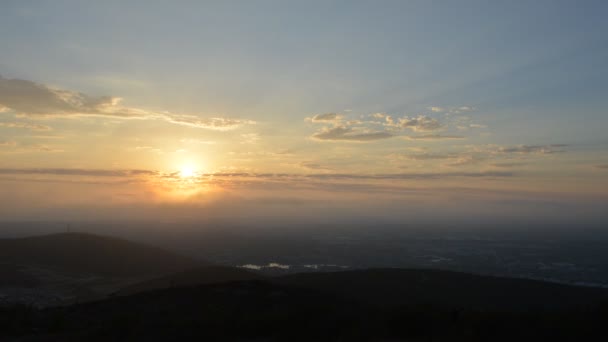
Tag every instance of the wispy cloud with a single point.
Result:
(451, 110)
(533, 149)
(427, 156)
(7, 143)
(219, 124)
(250, 138)
(342, 133)
(421, 123)
(250, 175)
(434, 137)
(365, 131)
(12, 147)
(309, 165)
(77, 172)
(26, 125)
(32, 99)
(325, 118)
(508, 164)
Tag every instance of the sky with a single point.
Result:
(391, 111)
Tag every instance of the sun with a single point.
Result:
(187, 172)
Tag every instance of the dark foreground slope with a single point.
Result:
(196, 276)
(346, 306)
(227, 311)
(447, 289)
(91, 254)
(394, 287)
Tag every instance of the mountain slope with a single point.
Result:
(412, 287)
(92, 254)
(198, 276)
(267, 311)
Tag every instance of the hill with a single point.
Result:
(438, 288)
(404, 287)
(267, 311)
(198, 276)
(92, 254)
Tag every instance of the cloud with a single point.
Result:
(26, 125)
(313, 166)
(405, 176)
(197, 141)
(34, 99)
(325, 118)
(434, 137)
(246, 176)
(421, 123)
(342, 133)
(532, 149)
(602, 166)
(466, 159)
(38, 100)
(366, 130)
(7, 143)
(77, 172)
(428, 156)
(218, 124)
(452, 110)
(40, 148)
(508, 164)
(250, 138)
(462, 109)
(14, 147)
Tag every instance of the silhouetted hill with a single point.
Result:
(92, 254)
(198, 276)
(266, 311)
(217, 312)
(405, 287)
(437, 288)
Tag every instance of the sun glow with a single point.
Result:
(187, 172)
